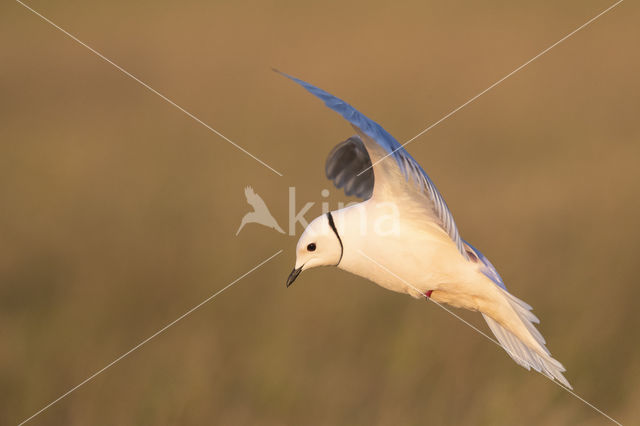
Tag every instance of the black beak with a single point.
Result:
(293, 275)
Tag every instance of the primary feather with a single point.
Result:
(349, 167)
(408, 166)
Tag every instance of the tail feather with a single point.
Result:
(523, 309)
(532, 354)
(522, 353)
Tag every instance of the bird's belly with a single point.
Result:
(411, 265)
(415, 278)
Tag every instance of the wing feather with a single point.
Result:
(370, 131)
(344, 163)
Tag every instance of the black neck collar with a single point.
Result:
(335, 231)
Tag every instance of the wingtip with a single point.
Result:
(277, 71)
(290, 77)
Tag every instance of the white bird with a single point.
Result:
(260, 213)
(420, 252)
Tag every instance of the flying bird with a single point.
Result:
(423, 255)
(260, 213)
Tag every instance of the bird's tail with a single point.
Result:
(242, 224)
(525, 344)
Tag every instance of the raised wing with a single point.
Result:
(344, 164)
(254, 199)
(379, 144)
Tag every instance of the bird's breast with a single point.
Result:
(411, 261)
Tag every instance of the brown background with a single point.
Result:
(118, 212)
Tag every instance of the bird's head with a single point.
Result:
(319, 245)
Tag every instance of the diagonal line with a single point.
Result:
(494, 84)
(91, 377)
(430, 299)
(128, 74)
(486, 335)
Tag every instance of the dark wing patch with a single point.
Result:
(408, 166)
(343, 164)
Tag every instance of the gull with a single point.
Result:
(260, 213)
(420, 252)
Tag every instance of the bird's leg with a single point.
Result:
(428, 294)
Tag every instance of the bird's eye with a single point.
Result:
(311, 247)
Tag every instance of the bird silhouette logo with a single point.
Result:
(260, 213)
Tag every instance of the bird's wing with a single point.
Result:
(254, 199)
(398, 173)
(487, 267)
(344, 164)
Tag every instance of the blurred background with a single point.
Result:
(118, 212)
